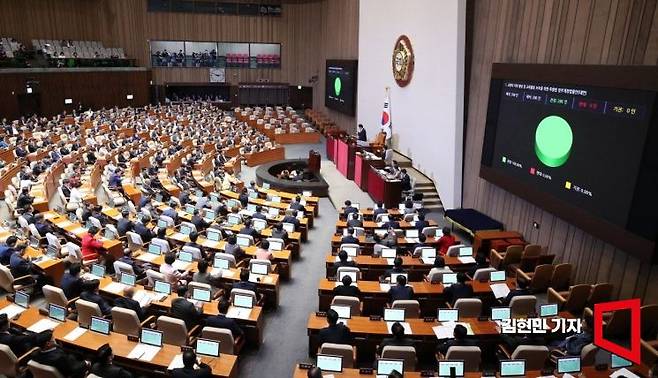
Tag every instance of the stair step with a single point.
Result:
(425, 184)
(425, 190)
(432, 202)
(431, 196)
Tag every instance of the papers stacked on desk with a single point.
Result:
(407, 327)
(256, 278)
(75, 334)
(238, 313)
(144, 352)
(180, 265)
(467, 260)
(176, 362)
(446, 329)
(114, 287)
(500, 290)
(12, 310)
(149, 257)
(144, 298)
(43, 325)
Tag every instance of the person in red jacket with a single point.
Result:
(445, 241)
(91, 247)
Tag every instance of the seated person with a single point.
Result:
(185, 310)
(92, 248)
(126, 301)
(421, 222)
(445, 241)
(232, 248)
(221, 321)
(194, 236)
(314, 372)
(258, 213)
(397, 267)
(66, 363)
(521, 289)
(460, 334)
(141, 229)
(21, 266)
(244, 282)
(349, 238)
(346, 289)
(400, 291)
(343, 260)
(90, 293)
(172, 275)
(335, 332)
(263, 252)
(459, 290)
(19, 342)
(248, 229)
(398, 339)
(7, 249)
(198, 221)
(127, 258)
(574, 344)
(202, 275)
(279, 232)
(354, 222)
(480, 263)
(296, 204)
(103, 366)
(439, 266)
(421, 243)
(71, 282)
(192, 367)
(292, 218)
(349, 208)
(392, 224)
(124, 224)
(379, 210)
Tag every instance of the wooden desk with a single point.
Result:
(382, 190)
(74, 231)
(294, 138)
(366, 243)
(90, 342)
(371, 225)
(258, 158)
(53, 268)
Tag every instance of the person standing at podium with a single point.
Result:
(361, 135)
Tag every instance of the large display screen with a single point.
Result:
(340, 85)
(575, 148)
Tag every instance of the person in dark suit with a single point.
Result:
(198, 221)
(335, 332)
(349, 238)
(244, 197)
(244, 282)
(42, 226)
(343, 261)
(171, 211)
(103, 366)
(221, 321)
(191, 367)
(279, 232)
(231, 247)
(480, 263)
(71, 282)
(19, 342)
(349, 208)
(248, 229)
(398, 339)
(90, 293)
(65, 363)
(292, 218)
(460, 339)
(8, 249)
(296, 204)
(405, 180)
(379, 210)
(421, 222)
(258, 214)
(194, 236)
(346, 289)
(183, 309)
(361, 134)
(314, 372)
(401, 291)
(397, 267)
(459, 290)
(142, 230)
(521, 289)
(126, 301)
(392, 223)
(354, 222)
(124, 224)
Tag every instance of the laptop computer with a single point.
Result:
(213, 235)
(276, 199)
(385, 366)
(22, 299)
(243, 301)
(353, 275)
(220, 263)
(447, 315)
(617, 362)
(162, 287)
(162, 223)
(56, 312)
(128, 279)
(243, 241)
(190, 209)
(451, 368)
(199, 294)
(259, 269)
(259, 224)
(289, 227)
(276, 245)
(344, 312)
(389, 253)
(100, 325)
(185, 256)
(351, 251)
(500, 313)
(251, 208)
(151, 337)
(465, 252)
(512, 368)
(394, 277)
(233, 219)
(497, 276)
(155, 249)
(394, 314)
(548, 310)
(98, 270)
(109, 234)
(266, 185)
(330, 363)
(449, 279)
(185, 229)
(209, 215)
(207, 347)
(568, 365)
(428, 255)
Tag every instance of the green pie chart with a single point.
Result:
(553, 141)
(337, 86)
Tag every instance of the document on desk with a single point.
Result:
(384, 287)
(407, 327)
(412, 240)
(467, 260)
(180, 265)
(428, 260)
(176, 362)
(623, 372)
(390, 261)
(255, 278)
(149, 257)
(12, 310)
(63, 224)
(238, 313)
(43, 325)
(79, 230)
(500, 290)
(446, 329)
(143, 352)
(348, 258)
(143, 297)
(114, 287)
(75, 334)
(338, 283)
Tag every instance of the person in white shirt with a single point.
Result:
(75, 199)
(171, 274)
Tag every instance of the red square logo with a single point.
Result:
(633, 354)
(532, 171)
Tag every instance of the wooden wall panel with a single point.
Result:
(559, 32)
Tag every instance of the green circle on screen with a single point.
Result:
(337, 86)
(553, 141)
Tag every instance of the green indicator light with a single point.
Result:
(553, 141)
(337, 86)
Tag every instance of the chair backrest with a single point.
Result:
(561, 276)
(588, 355)
(86, 310)
(512, 255)
(411, 306)
(472, 356)
(261, 261)
(522, 305)
(8, 361)
(135, 241)
(359, 231)
(228, 257)
(453, 250)
(55, 295)
(125, 321)
(199, 285)
(43, 371)
(435, 275)
(224, 336)
(483, 274)
(173, 330)
(96, 222)
(164, 245)
(353, 302)
(122, 267)
(534, 355)
(649, 321)
(349, 245)
(346, 351)
(196, 252)
(153, 275)
(469, 307)
(74, 252)
(406, 353)
(52, 240)
(430, 231)
(170, 221)
(601, 292)
(577, 298)
(618, 325)
(250, 293)
(542, 278)
(532, 250)
(6, 279)
(347, 269)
